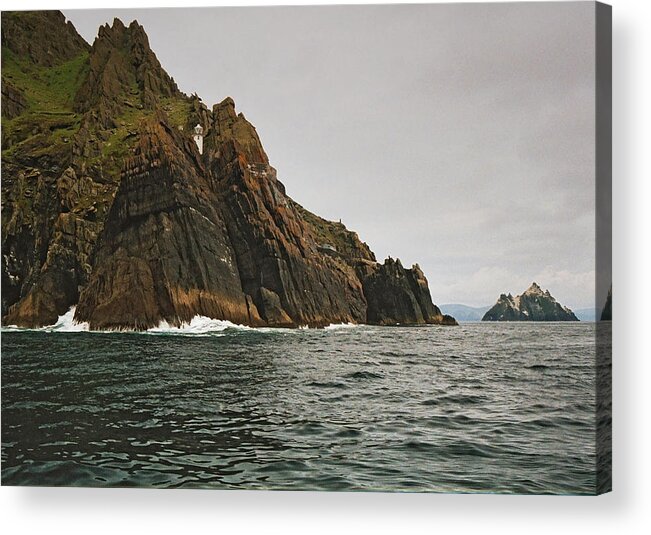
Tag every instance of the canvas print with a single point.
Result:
(339, 248)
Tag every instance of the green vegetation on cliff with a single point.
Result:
(48, 119)
(50, 89)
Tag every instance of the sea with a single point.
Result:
(478, 408)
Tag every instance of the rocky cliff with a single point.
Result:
(607, 311)
(108, 204)
(535, 304)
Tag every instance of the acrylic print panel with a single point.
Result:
(398, 279)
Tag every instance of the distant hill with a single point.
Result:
(585, 314)
(465, 312)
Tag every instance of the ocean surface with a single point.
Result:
(483, 407)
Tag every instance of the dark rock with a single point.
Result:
(607, 312)
(164, 253)
(448, 320)
(13, 100)
(396, 295)
(272, 310)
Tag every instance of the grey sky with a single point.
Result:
(457, 136)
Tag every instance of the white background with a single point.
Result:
(27, 510)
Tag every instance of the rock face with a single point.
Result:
(109, 206)
(535, 304)
(123, 73)
(23, 34)
(13, 100)
(607, 312)
(43, 230)
(398, 295)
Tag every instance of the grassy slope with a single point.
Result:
(49, 119)
(49, 122)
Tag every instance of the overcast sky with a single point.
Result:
(457, 136)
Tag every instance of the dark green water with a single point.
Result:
(478, 408)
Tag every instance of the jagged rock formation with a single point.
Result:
(108, 204)
(607, 312)
(535, 304)
(398, 295)
(23, 34)
(123, 73)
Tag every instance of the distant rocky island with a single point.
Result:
(535, 304)
(136, 203)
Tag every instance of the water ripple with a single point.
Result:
(479, 408)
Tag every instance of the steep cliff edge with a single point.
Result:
(607, 311)
(43, 63)
(63, 149)
(535, 304)
(396, 295)
(164, 252)
(109, 205)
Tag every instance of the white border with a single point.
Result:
(111, 511)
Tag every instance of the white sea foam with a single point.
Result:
(338, 326)
(65, 323)
(197, 325)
